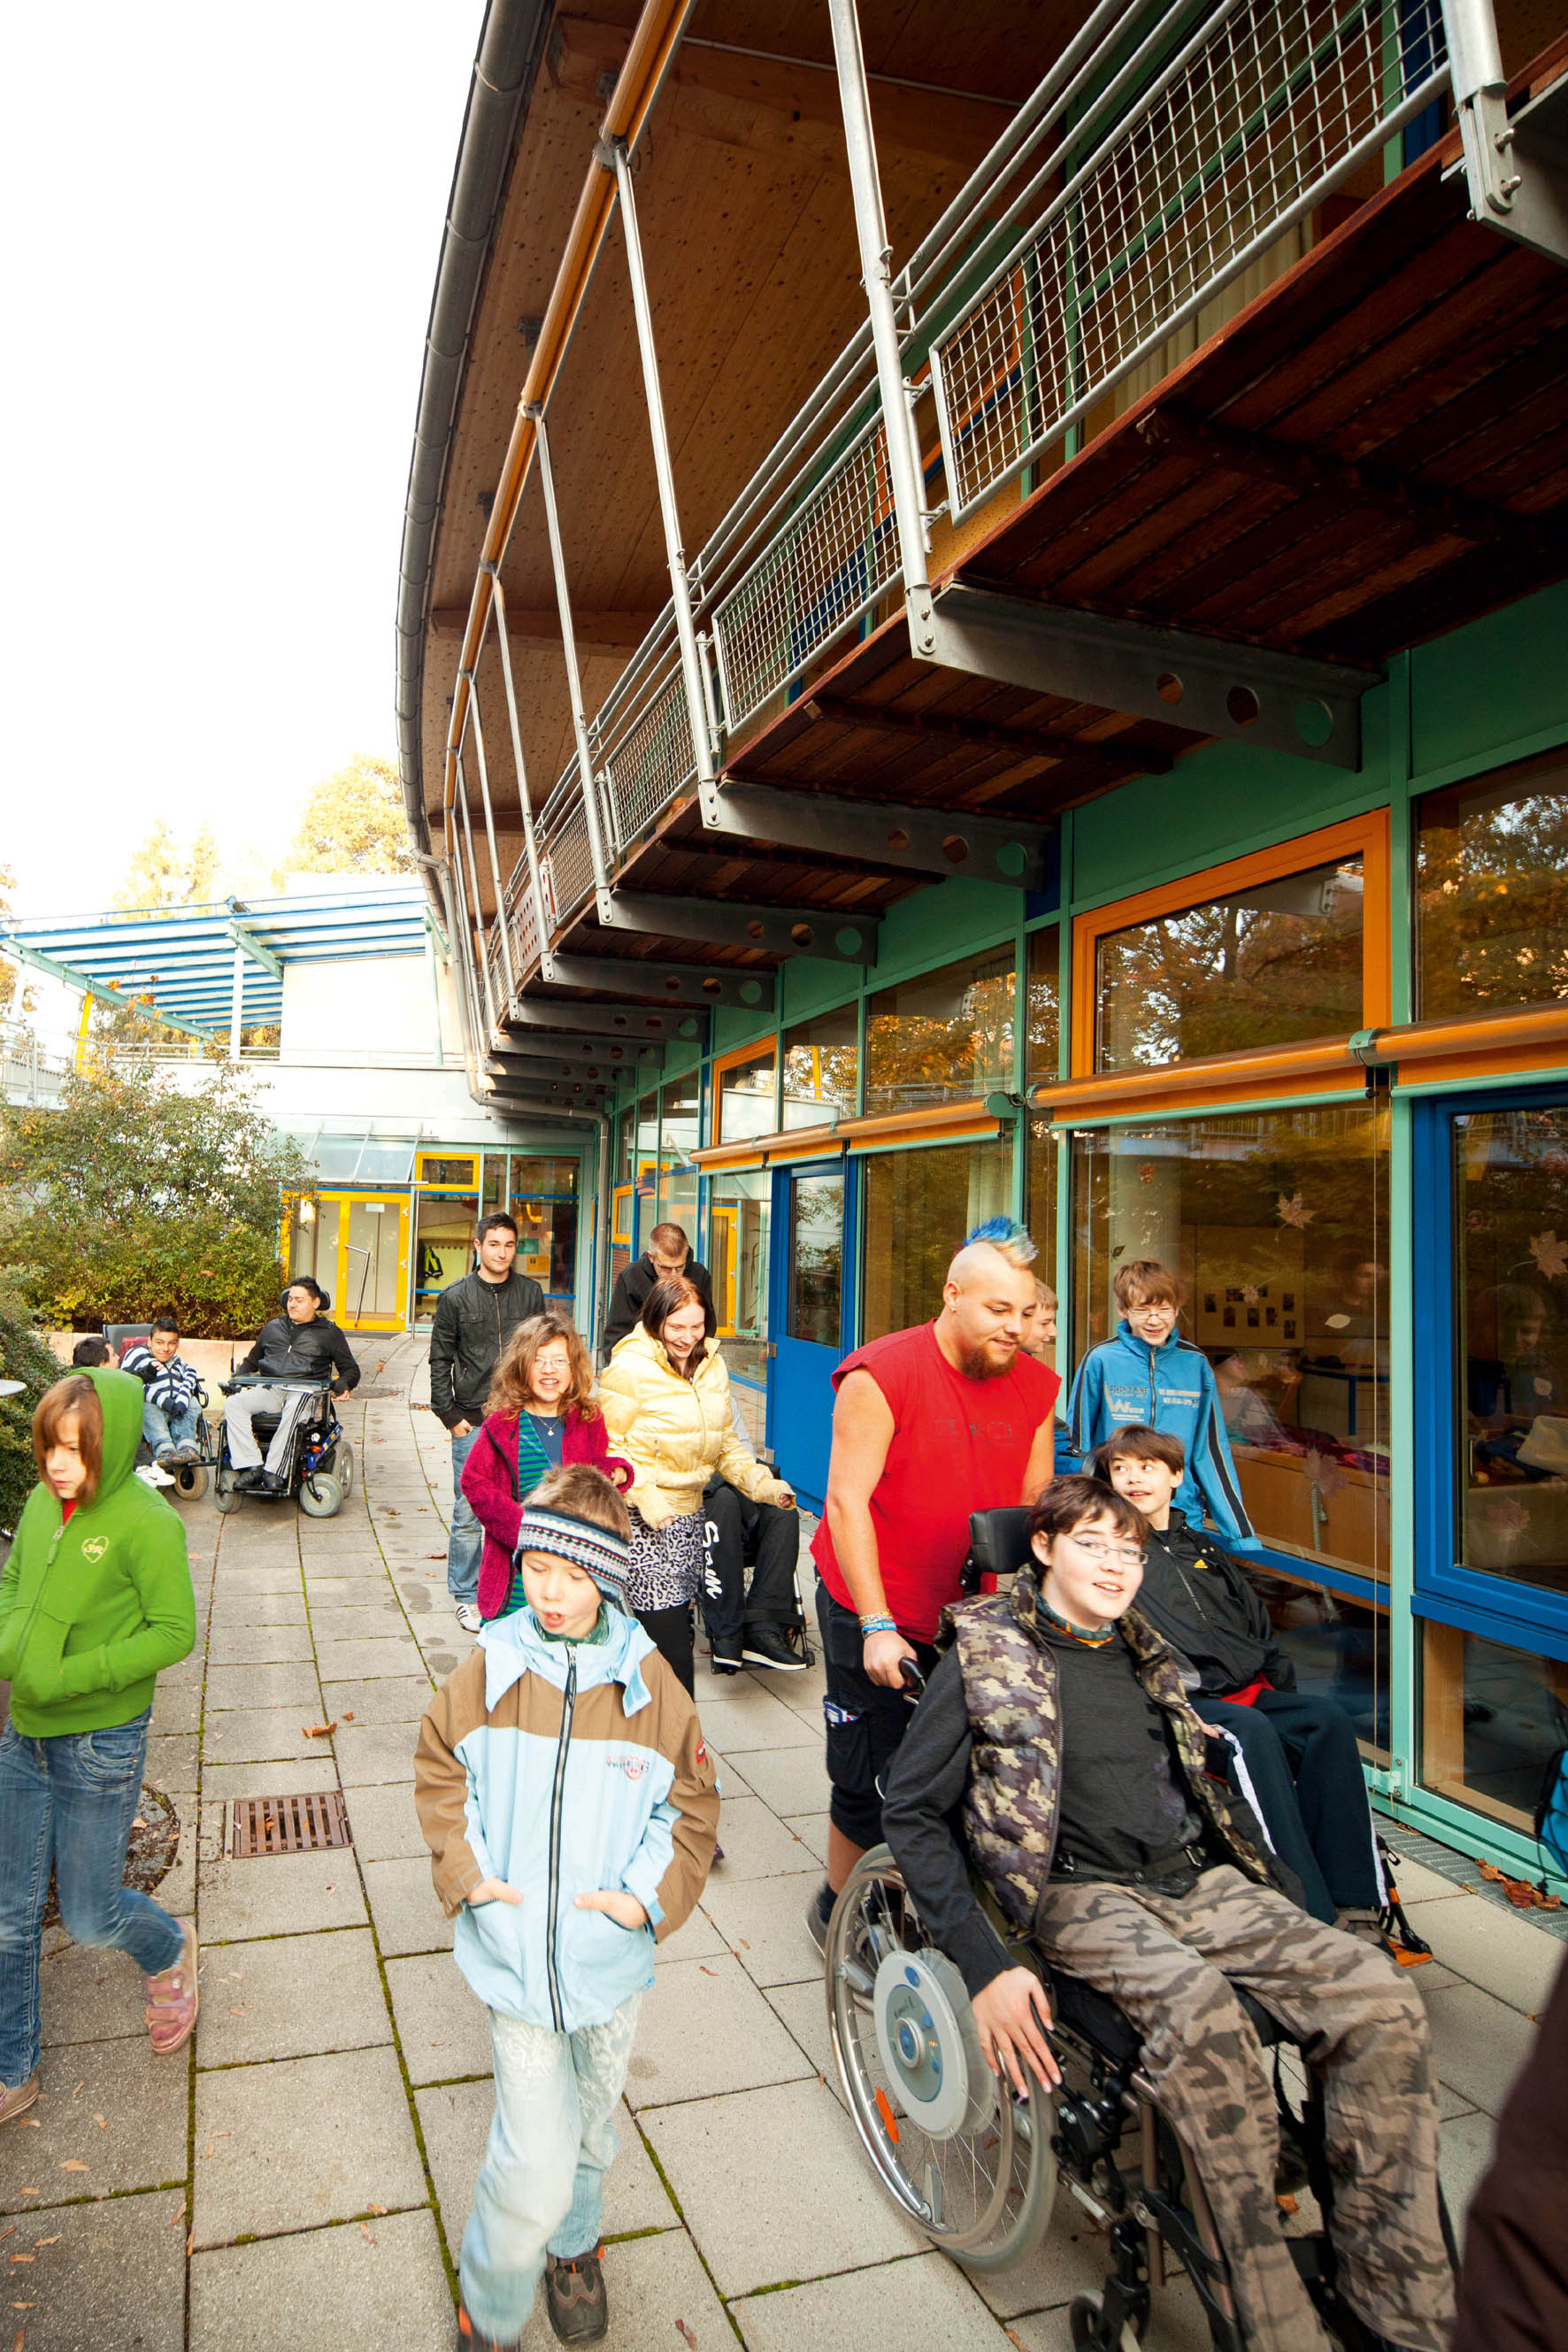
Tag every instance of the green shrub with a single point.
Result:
(24, 1358)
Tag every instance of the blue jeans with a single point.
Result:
(69, 1801)
(161, 1428)
(541, 2186)
(465, 1538)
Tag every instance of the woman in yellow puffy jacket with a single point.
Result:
(665, 1396)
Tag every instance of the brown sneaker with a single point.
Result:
(172, 1999)
(17, 2103)
(574, 2297)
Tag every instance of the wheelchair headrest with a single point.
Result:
(998, 1540)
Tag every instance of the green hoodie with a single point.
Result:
(90, 1610)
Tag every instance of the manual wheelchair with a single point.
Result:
(319, 1466)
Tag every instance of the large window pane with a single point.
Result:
(941, 1038)
(1337, 1646)
(919, 1207)
(1044, 1007)
(1510, 1296)
(1265, 966)
(680, 1118)
(1274, 1222)
(1490, 1718)
(1491, 878)
(815, 1297)
(738, 1209)
(746, 1091)
(822, 1067)
(544, 1202)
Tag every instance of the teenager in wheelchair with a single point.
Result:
(282, 1391)
(1069, 1959)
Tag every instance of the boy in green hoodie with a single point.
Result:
(96, 1597)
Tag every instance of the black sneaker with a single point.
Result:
(765, 1645)
(818, 1912)
(250, 1482)
(574, 2297)
(724, 1661)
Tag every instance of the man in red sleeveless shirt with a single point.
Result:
(930, 1424)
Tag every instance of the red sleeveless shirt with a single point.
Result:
(958, 1445)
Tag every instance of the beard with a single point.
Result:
(977, 1359)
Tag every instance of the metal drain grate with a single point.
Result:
(288, 1824)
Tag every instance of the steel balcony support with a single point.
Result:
(476, 723)
(529, 845)
(780, 930)
(586, 781)
(1240, 692)
(876, 271)
(693, 987)
(535, 1046)
(884, 832)
(548, 1015)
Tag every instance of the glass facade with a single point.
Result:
(822, 1067)
(1491, 880)
(943, 1038)
(1492, 1718)
(679, 1133)
(747, 1092)
(918, 1205)
(738, 1213)
(1043, 1022)
(543, 1199)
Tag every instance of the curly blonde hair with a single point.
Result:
(511, 1383)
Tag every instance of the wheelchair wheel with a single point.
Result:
(344, 1466)
(954, 2149)
(1085, 2318)
(191, 1480)
(224, 1496)
(320, 1497)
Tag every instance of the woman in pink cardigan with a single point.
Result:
(540, 1412)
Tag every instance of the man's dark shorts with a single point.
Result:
(865, 1722)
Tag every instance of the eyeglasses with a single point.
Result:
(1123, 1555)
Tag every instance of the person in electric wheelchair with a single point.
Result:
(299, 1347)
(1055, 1755)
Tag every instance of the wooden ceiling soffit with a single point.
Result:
(689, 986)
(931, 727)
(927, 840)
(841, 938)
(547, 1017)
(618, 632)
(1236, 691)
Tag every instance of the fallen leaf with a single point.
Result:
(1286, 2204)
(377, 2209)
(73, 2164)
(744, 1945)
(100, 2123)
(178, 2215)
(138, 1824)
(318, 1730)
(348, 1715)
(190, 2244)
(1490, 1871)
(242, 2010)
(686, 2331)
(79, 2086)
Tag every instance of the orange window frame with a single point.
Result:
(731, 1061)
(1366, 837)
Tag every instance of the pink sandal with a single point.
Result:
(172, 1999)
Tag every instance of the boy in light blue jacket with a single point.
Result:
(1149, 1374)
(571, 1806)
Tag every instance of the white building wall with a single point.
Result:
(377, 1005)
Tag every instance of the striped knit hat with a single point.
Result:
(604, 1555)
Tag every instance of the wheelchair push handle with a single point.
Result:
(913, 1680)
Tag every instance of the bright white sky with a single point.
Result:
(220, 232)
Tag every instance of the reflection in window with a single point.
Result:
(1044, 1008)
(919, 1207)
(738, 1208)
(815, 1303)
(1339, 1648)
(941, 1038)
(1490, 1718)
(1492, 879)
(822, 1067)
(680, 1115)
(1510, 1230)
(1265, 966)
(746, 1091)
(1275, 1222)
(543, 1200)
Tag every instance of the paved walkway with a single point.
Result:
(305, 2174)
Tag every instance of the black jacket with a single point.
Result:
(316, 1350)
(630, 1295)
(1212, 1614)
(474, 1320)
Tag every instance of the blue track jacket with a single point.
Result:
(561, 1768)
(1169, 1388)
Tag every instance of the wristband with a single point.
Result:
(877, 1626)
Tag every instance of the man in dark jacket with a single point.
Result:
(1298, 1763)
(298, 1346)
(474, 1319)
(667, 1255)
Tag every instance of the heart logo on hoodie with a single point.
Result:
(95, 1548)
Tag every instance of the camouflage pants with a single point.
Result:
(1165, 1961)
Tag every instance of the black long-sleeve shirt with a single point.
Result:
(1204, 1604)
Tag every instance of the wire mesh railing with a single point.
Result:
(647, 760)
(1251, 123)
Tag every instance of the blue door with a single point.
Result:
(813, 1226)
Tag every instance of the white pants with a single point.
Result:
(287, 1403)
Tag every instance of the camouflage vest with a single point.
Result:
(1011, 1805)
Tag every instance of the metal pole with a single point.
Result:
(236, 1004)
(465, 1006)
(1480, 102)
(530, 846)
(585, 782)
(876, 258)
(490, 835)
(473, 884)
(680, 588)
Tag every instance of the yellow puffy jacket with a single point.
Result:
(676, 1433)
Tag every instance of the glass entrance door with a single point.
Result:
(811, 1296)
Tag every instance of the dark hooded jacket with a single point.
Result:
(634, 1285)
(316, 1350)
(1206, 1606)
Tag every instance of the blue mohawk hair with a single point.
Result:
(1007, 1235)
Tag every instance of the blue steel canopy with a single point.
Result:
(184, 963)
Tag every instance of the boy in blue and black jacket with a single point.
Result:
(1148, 1373)
(570, 1805)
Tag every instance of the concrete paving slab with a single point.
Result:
(1506, 1957)
(924, 2304)
(1072, 2258)
(291, 1997)
(176, 1707)
(706, 2028)
(113, 2276)
(699, 1939)
(403, 1904)
(247, 1645)
(1464, 2152)
(373, 1755)
(308, 2140)
(277, 1684)
(756, 1843)
(60, 2151)
(370, 1620)
(281, 1575)
(725, 2159)
(171, 1764)
(1416, 1883)
(653, 2285)
(802, 2009)
(89, 1994)
(762, 1922)
(1479, 2045)
(384, 1825)
(403, 1699)
(277, 1894)
(812, 1830)
(231, 1612)
(1176, 2322)
(735, 1727)
(443, 2029)
(455, 2120)
(256, 1735)
(362, 2290)
(308, 1775)
(789, 1780)
(347, 1661)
